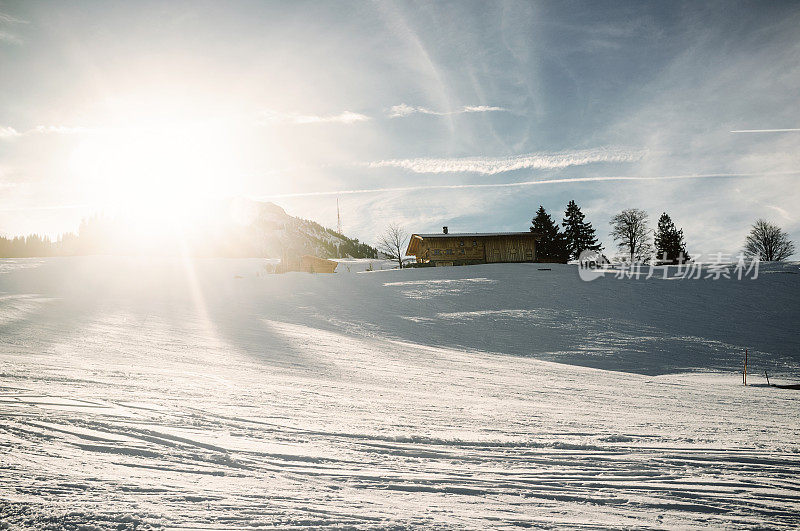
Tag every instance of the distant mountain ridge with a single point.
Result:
(278, 233)
(239, 228)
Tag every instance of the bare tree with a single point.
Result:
(629, 230)
(392, 242)
(768, 242)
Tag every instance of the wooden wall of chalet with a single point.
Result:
(451, 249)
(509, 249)
(479, 249)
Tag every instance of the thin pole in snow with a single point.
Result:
(744, 374)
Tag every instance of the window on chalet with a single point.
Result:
(474, 243)
(449, 251)
(461, 243)
(437, 251)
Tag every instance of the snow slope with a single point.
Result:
(152, 393)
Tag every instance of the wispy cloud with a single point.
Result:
(9, 38)
(534, 183)
(766, 131)
(5, 18)
(493, 165)
(403, 110)
(781, 211)
(345, 117)
(8, 133)
(42, 207)
(6, 36)
(58, 129)
(349, 117)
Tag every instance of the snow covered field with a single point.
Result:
(142, 393)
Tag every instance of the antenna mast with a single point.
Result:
(338, 218)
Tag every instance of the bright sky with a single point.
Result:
(413, 112)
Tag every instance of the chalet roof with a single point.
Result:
(471, 234)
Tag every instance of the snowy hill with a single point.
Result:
(207, 394)
(263, 229)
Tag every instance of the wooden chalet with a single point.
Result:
(472, 248)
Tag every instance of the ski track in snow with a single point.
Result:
(136, 395)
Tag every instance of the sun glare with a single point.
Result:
(157, 176)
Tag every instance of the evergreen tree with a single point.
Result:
(579, 234)
(670, 246)
(552, 246)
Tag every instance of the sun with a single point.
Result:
(158, 175)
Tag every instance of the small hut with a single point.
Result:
(307, 264)
(314, 264)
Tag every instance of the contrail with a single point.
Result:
(494, 165)
(766, 131)
(528, 183)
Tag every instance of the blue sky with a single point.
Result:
(425, 105)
